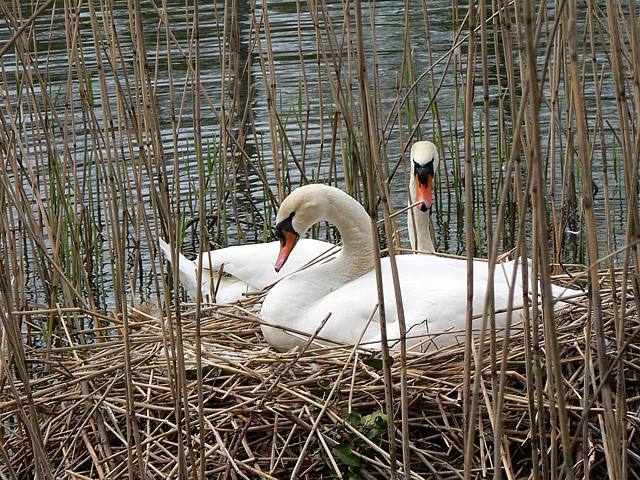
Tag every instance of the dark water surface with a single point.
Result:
(306, 115)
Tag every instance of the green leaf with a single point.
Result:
(352, 475)
(344, 453)
(375, 363)
(354, 418)
(373, 433)
(375, 419)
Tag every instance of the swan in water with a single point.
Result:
(433, 288)
(249, 268)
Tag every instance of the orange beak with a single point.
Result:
(424, 193)
(288, 240)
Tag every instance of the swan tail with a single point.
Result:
(187, 272)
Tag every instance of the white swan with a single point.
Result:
(249, 268)
(433, 288)
(424, 163)
(246, 268)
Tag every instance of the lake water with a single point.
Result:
(289, 45)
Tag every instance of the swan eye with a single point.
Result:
(423, 171)
(285, 225)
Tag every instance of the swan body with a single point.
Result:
(246, 268)
(433, 288)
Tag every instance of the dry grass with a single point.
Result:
(174, 119)
(262, 409)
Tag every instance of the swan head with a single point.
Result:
(298, 212)
(424, 163)
(312, 203)
(288, 236)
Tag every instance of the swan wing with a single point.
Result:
(434, 294)
(255, 264)
(434, 301)
(187, 272)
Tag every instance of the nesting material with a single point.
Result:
(267, 414)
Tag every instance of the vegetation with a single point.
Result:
(176, 120)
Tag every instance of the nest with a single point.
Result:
(316, 414)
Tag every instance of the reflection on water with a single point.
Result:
(306, 109)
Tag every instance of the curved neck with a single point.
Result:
(354, 225)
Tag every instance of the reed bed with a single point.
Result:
(316, 413)
(123, 122)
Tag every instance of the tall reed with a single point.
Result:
(124, 123)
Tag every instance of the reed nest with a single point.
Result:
(269, 414)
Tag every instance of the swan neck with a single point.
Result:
(354, 225)
(419, 224)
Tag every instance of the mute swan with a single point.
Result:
(249, 268)
(424, 163)
(433, 288)
(246, 268)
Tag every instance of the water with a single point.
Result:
(306, 111)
